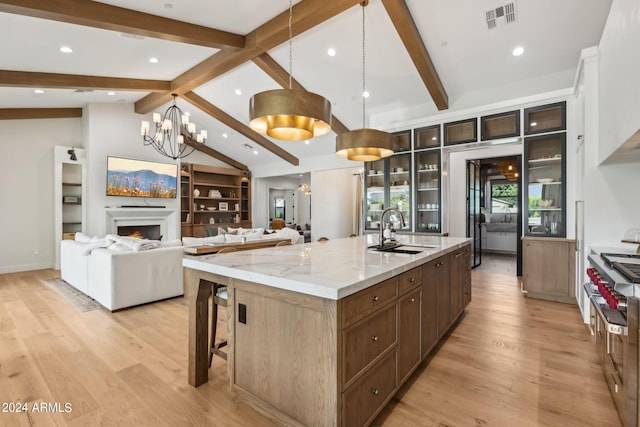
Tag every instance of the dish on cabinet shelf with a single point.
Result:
(544, 180)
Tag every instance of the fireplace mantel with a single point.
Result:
(166, 218)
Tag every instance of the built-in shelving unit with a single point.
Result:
(216, 197)
(70, 195)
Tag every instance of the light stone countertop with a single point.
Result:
(332, 269)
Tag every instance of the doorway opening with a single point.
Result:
(494, 214)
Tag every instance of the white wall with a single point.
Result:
(114, 130)
(26, 189)
(619, 82)
(333, 202)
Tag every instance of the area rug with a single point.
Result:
(71, 294)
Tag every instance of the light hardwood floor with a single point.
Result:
(511, 361)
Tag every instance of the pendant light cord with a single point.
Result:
(363, 68)
(290, 42)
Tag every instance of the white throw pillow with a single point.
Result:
(82, 238)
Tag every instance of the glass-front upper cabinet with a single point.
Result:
(427, 179)
(545, 185)
(375, 193)
(461, 132)
(402, 141)
(427, 137)
(503, 125)
(545, 118)
(400, 190)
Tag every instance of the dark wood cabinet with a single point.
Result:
(460, 281)
(409, 354)
(545, 118)
(502, 125)
(461, 132)
(429, 307)
(442, 274)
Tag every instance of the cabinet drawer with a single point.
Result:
(366, 340)
(357, 305)
(365, 398)
(410, 279)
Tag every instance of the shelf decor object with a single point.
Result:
(287, 114)
(364, 145)
(174, 136)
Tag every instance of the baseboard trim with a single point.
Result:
(25, 267)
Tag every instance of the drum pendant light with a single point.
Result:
(287, 114)
(364, 145)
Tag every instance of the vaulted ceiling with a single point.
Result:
(422, 56)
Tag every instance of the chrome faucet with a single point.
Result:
(382, 238)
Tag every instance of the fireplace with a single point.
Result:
(124, 221)
(151, 232)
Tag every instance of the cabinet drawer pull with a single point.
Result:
(374, 391)
(375, 298)
(413, 279)
(374, 338)
(412, 299)
(458, 255)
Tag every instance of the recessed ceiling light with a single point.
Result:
(365, 94)
(225, 135)
(518, 51)
(38, 91)
(154, 60)
(307, 142)
(188, 114)
(255, 152)
(66, 49)
(238, 92)
(111, 93)
(331, 52)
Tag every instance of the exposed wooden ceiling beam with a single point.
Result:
(239, 127)
(281, 76)
(74, 81)
(406, 27)
(101, 15)
(39, 113)
(217, 155)
(306, 14)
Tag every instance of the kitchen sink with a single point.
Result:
(402, 249)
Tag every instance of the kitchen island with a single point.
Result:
(325, 333)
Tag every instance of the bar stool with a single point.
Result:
(219, 294)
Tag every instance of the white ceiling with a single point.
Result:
(475, 64)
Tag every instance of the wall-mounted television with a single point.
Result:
(141, 178)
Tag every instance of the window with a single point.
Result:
(504, 197)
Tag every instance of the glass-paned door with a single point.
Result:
(400, 190)
(427, 179)
(545, 185)
(374, 193)
(474, 222)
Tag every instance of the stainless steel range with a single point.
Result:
(614, 326)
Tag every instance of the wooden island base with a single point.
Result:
(306, 360)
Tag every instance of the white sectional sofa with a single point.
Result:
(123, 278)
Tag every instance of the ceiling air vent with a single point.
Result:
(501, 15)
(83, 90)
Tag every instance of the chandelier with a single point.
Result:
(174, 136)
(305, 189)
(364, 145)
(509, 169)
(287, 114)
